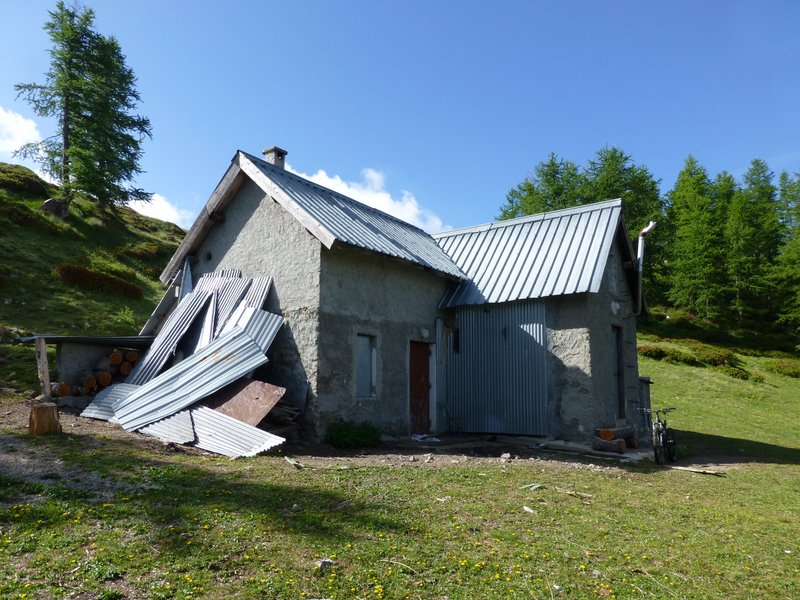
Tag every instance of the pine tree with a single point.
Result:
(91, 92)
(753, 234)
(555, 183)
(787, 270)
(695, 253)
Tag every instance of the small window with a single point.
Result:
(366, 366)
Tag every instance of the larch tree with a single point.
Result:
(787, 269)
(555, 183)
(753, 234)
(695, 254)
(92, 93)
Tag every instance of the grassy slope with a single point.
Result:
(159, 524)
(119, 243)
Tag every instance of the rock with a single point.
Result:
(324, 563)
(57, 208)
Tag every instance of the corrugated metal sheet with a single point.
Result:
(260, 325)
(555, 253)
(219, 433)
(102, 405)
(257, 294)
(227, 358)
(492, 368)
(356, 224)
(177, 429)
(176, 326)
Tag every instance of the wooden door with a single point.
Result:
(420, 387)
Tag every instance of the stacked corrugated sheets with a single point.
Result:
(216, 335)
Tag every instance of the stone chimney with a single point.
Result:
(275, 156)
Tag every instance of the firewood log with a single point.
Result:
(613, 433)
(617, 445)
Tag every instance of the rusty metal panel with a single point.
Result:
(493, 369)
(555, 253)
(247, 401)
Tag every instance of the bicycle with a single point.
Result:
(665, 444)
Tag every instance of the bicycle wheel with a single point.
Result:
(671, 445)
(659, 452)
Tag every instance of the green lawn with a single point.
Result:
(146, 523)
(107, 518)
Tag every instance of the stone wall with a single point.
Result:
(259, 237)
(395, 302)
(582, 384)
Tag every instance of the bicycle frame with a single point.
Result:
(665, 446)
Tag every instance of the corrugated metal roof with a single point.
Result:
(177, 429)
(219, 433)
(551, 254)
(102, 405)
(257, 294)
(350, 222)
(226, 359)
(175, 327)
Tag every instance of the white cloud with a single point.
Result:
(371, 190)
(161, 208)
(16, 130)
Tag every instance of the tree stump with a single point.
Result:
(44, 419)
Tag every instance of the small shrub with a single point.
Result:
(22, 180)
(145, 250)
(346, 434)
(716, 357)
(737, 373)
(671, 355)
(94, 280)
(653, 352)
(787, 367)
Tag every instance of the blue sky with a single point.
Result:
(434, 110)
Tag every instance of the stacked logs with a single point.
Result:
(113, 368)
(615, 439)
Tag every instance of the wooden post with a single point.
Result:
(44, 419)
(43, 367)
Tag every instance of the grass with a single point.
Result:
(116, 250)
(163, 525)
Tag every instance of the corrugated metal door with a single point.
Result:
(493, 362)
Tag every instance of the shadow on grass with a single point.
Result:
(176, 498)
(699, 446)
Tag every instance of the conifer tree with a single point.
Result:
(787, 271)
(92, 93)
(555, 183)
(695, 253)
(753, 235)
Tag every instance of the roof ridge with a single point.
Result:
(308, 182)
(551, 214)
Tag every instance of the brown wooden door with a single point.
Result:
(420, 387)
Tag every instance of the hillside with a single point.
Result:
(93, 273)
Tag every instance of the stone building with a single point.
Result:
(522, 327)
